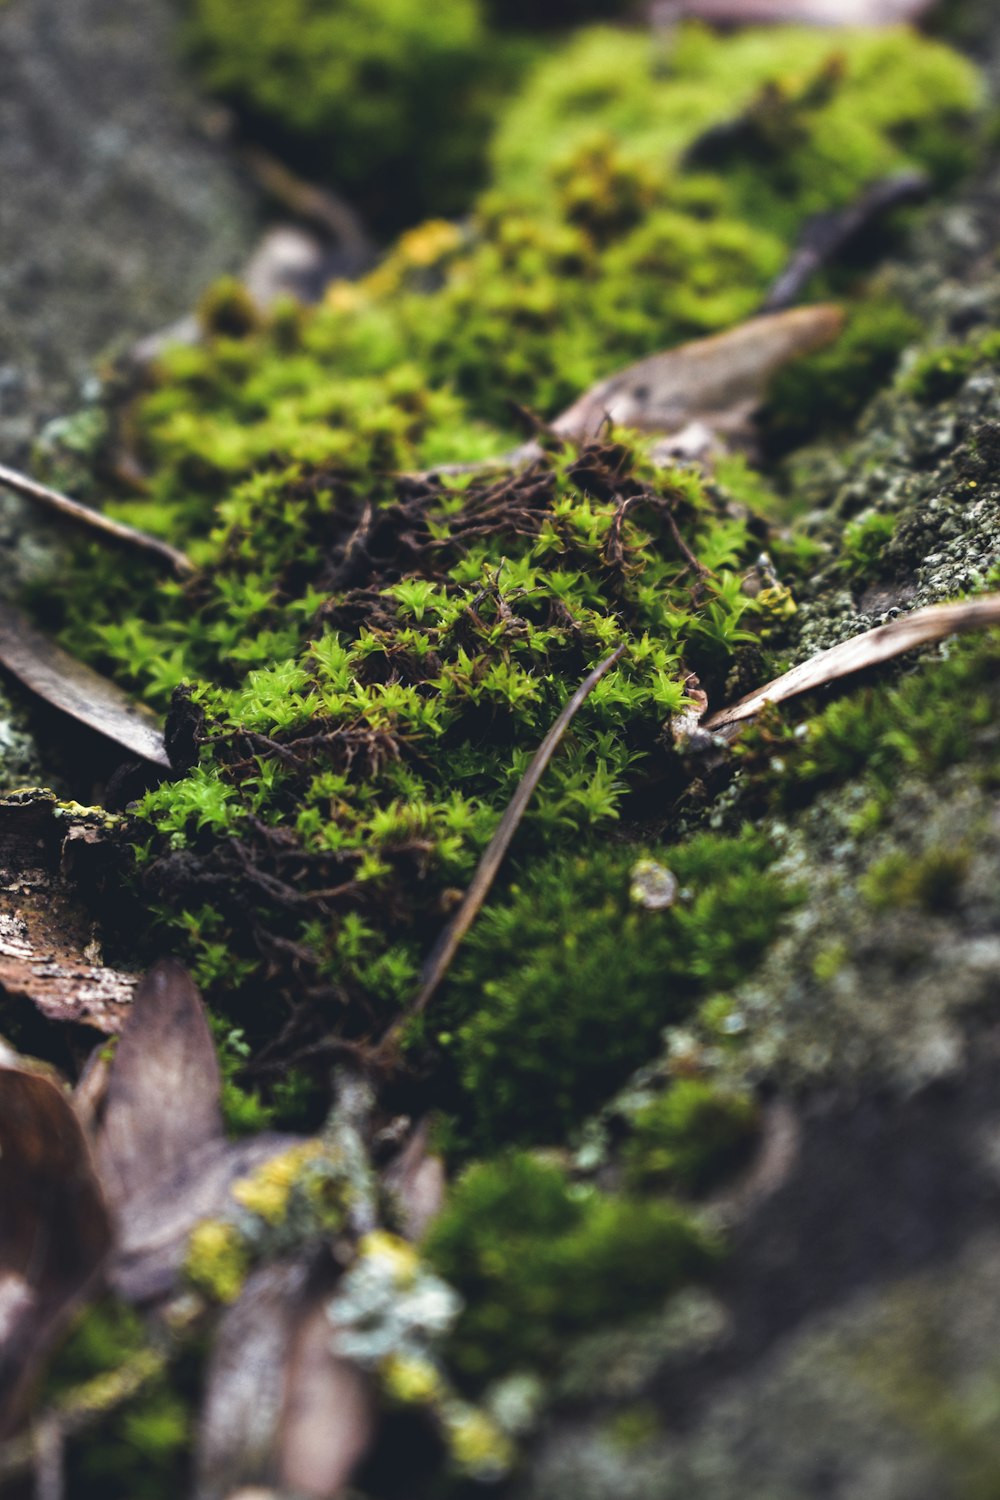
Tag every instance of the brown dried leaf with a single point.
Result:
(805, 12)
(869, 649)
(718, 381)
(163, 1157)
(328, 1421)
(163, 1093)
(280, 1408)
(54, 1228)
(76, 689)
(49, 951)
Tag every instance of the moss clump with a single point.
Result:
(939, 373)
(808, 121)
(564, 987)
(690, 1137)
(539, 1261)
(931, 880)
(827, 391)
(360, 91)
(882, 732)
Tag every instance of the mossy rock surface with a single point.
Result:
(792, 1056)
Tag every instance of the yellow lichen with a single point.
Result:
(411, 1380)
(217, 1260)
(476, 1444)
(398, 1258)
(266, 1192)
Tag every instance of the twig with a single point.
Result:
(826, 235)
(79, 1409)
(445, 948)
(72, 510)
(869, 649)
(324, 208)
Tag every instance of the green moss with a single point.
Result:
(690, 1137)
(821, 117)
(562, 989)
(359, 91)
(934, 718)
(931, 879)
(827, 391)
(939, 373)
(862, 543)
(141, 1446)
(539, 1261)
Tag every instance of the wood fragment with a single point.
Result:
(826, 235)
(869, 649)
(77, 690)
(50, 951)
(444, 950)
(95, 520)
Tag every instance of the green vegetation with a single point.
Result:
(539, 1260)
(565, 989)
(370, 651)
(939, 373)
(690, 1136)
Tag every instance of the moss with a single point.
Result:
(939, 373)
(931, 879)
(217, 1262)
(827, 391)
(141, 1447)
(690, 1137)
(375, 89)
(564, 987)
(539, 1261)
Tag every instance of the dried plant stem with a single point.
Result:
(444, 950)
(72, 510)
(870, 649)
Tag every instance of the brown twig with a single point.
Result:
(444, 950)
(72, 510)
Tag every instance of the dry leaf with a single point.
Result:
(49, 951)
(869, 649)
(803, 12)
(163, 1157)
(54, 1228)
(328, 1420)
(280, 1408)
(717, 381)
(76, 689)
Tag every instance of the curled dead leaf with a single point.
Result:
(869, 649)
(163, 1156)
(280, 1408)
(718, 381)
(76, 689)
(55, 1233)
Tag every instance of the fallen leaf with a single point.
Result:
(869, 649)
(280, 1407)
(94, 520)
(719, 380)
(162, 1153)
(54, 1229)
(76, 689)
